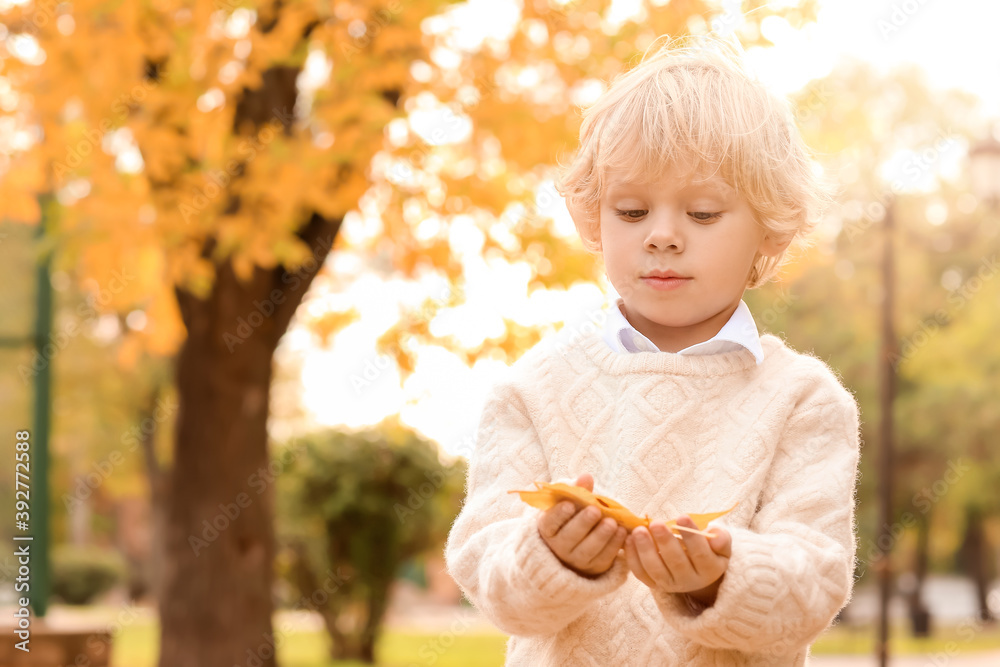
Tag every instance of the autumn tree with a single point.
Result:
(204, 156)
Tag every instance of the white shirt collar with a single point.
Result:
(739, 331)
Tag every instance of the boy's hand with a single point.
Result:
(580, 539)
(692, 564)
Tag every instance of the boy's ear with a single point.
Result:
(771, 246)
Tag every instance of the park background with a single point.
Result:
(287, 247)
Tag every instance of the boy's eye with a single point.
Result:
(636, 214)
(628, 215)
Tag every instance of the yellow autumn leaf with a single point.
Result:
(20, 207)
(548, 494)
(129, 352)
(243, 267)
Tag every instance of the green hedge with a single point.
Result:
(81, 574)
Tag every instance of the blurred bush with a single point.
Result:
(352, 508)
(80, 574)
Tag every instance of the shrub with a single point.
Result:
(81, 574)
(353, 508)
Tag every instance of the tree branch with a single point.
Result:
(188, 302)
(319, 234)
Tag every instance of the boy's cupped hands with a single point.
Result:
(583, 541)
(692, 564)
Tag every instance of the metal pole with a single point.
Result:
(887, 387)
(40, 435)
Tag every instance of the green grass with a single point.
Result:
(969, 636)
(138, 646)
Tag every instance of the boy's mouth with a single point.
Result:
(665, 283)
(664, 274)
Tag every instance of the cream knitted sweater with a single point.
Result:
(664, 434)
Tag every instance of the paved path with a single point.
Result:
(991, 659)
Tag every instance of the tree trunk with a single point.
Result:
(920, 617)
(974, 551)
(217, 604)
(378, 604)
(344, 625)
(349, 638)
(329, 608)
(217, 579)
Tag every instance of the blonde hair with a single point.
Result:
(689, 107)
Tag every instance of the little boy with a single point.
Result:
(691, 182)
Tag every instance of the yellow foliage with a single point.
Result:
(164, 81)
(548, 494)
(164, 330)
(332, 322)
(161, 156)
(242, 267)
(129, 352)
(20, 188)
(19, 206)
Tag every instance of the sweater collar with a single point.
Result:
(672, 363)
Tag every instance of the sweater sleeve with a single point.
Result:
(791, 570)
(494, 551)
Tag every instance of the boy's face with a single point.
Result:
(697, 227)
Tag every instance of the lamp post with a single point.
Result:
(887, 395)
(38, 491)
(984, 176)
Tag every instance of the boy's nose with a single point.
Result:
(664, 233)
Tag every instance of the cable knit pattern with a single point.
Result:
(665, 434)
